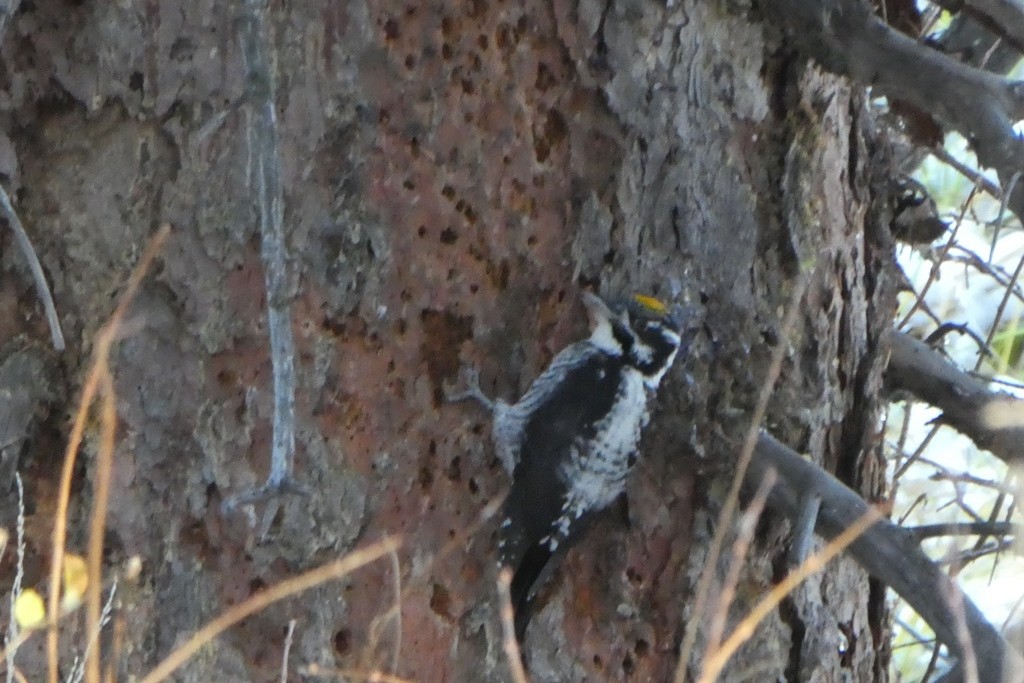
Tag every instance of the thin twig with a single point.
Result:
(943, 155)
(997, 224)
(963, 558)
(963, 529)
(38, 277)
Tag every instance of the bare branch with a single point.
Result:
(886, 552)
(1004, 18)
(846, 38)
(992, 419)
(963, 529)
(943, 155)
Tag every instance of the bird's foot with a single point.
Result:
(471, 378)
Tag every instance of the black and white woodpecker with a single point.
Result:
(572, 439)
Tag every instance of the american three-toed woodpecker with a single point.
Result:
(571, 440)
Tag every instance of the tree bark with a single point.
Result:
(454, 175)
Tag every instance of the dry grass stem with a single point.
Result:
(115, 650)
(716, 662)
(392, 614)
(744, 534)
(396, 572)
(732, 499)
(287, 650)
(98, 521)
(263, 599)
(515, 659)
(101, 353)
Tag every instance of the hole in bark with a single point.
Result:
(503, 36)
(634, 576)
(545, 79)
(440, 602)
(342, 642)
(448, 27)
(425, 478)
(454, 469)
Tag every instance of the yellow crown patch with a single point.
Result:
(651, 304)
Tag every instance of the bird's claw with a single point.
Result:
(471, 379)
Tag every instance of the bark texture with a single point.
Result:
(454, 174)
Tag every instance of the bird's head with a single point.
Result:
(643, 331)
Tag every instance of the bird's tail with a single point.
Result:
(524, 579)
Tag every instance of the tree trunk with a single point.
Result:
(454, 175)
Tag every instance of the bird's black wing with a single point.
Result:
(564, 419)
